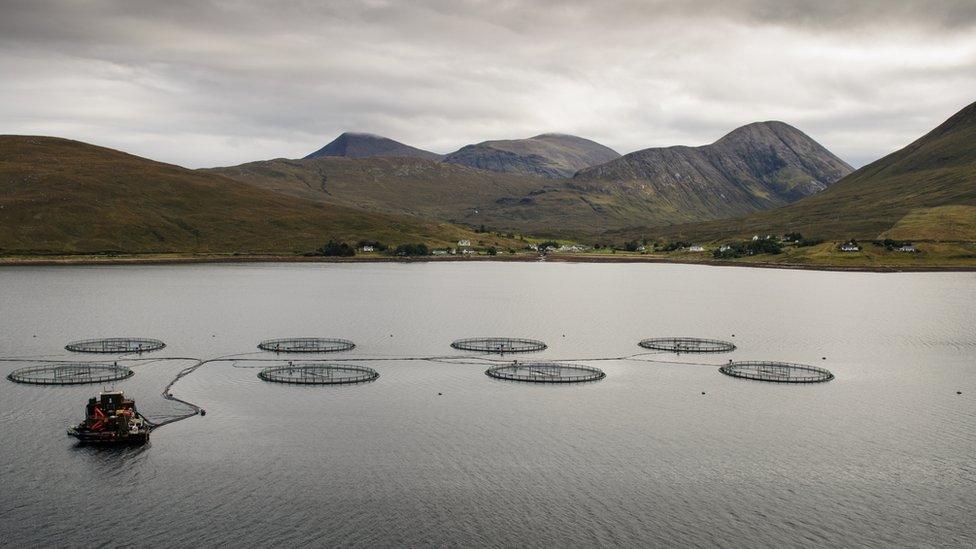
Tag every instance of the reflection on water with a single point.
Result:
(664, 450)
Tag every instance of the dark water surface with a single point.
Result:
(884, 455)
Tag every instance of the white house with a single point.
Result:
(909, 248)
(464, 243)
(572, 248)
(850, 248)
(696, 248)
(439, 252)
(642, 249)
(367, 249)
(725, 248)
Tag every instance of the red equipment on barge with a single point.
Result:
(112, 418)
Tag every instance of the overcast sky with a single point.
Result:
(207, 83)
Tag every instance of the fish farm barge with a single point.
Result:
(112, 419)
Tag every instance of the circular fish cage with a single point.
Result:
(115, 345)
(545, 372)
(781, 372)
(318, 374)
(499, 345)
(69, 373)
(306, 345)
(687, 345)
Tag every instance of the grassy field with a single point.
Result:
(931, 256)
(953, 222)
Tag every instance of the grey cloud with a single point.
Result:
(206, 83)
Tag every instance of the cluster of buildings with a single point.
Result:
(853, 247)
(572, 248)
(464, 247)
(692, 248)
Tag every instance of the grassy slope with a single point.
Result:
(905, 193)
(449, 192)
(938, 223)
(393, 185)
(62, 196)
(500, 201)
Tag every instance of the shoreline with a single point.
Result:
(176, 259)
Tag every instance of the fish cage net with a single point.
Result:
(306, 345)
(318, 374)
(687, 345)
(545, 372)
(74, 373)
(782, 372)
(115, 345)
(499, 345)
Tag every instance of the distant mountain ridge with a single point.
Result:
(772, 161)
(548, 155)
(364, 145)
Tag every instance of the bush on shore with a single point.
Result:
(411, 250)
(334, 248)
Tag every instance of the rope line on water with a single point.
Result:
(236, 359)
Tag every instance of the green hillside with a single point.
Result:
(62, 196)
(448, 192)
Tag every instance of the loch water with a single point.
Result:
(665, 450)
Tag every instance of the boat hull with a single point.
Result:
(103, 437)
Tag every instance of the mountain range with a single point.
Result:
(62, 196)
(548, 155)
(753, 168)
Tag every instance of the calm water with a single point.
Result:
(884, 455)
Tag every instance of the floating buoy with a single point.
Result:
(203, 412)
(958, 392)
(440, 394)
(823, 358)
(703, 392)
